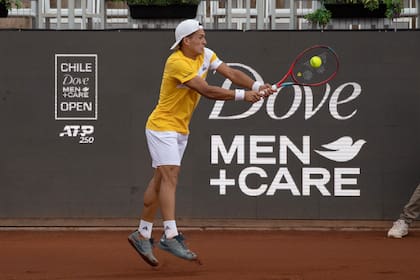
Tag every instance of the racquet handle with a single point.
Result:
(274, 87)
(277, 86)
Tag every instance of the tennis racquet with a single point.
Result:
(303, 73)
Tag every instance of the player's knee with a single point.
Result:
(170, 174)
(147, 204)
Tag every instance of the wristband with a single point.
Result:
(256, 86)
(239, 94)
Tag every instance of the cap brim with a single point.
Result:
(175, 44)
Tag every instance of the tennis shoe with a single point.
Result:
(144, 247)
(399, 229)
(177, 247)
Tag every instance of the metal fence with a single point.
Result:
(223, 14)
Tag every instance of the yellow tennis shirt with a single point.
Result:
(176, 101)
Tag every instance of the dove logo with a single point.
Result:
(261, 164)
(342, 96)
(342, 149)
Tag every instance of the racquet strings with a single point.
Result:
(303, 73)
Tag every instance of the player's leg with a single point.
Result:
(141, 239)
(151, 198)
(168, 182)
(172, 241)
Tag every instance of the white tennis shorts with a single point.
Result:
(166, 147)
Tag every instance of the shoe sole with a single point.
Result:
(398, 237)
(393, 236)
(145, 258)
(165, 248)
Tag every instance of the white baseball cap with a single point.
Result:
(185, 28)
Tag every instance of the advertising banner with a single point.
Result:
(72, 117)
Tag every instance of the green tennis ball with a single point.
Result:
(315, 61)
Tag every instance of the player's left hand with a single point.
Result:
(266, 90)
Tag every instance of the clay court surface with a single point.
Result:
(265, 255)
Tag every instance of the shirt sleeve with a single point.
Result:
(214, 62)
(181, 71)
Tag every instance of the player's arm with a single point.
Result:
(241, 79)
(213, 92)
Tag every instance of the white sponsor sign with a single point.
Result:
(76, 87)
(254, 153)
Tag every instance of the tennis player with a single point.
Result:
(167, 130)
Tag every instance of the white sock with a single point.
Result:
(145, 229)
(170, 228)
